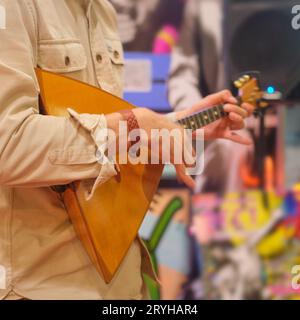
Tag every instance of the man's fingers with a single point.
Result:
(231, 108)
(189, 154)
(237, 119)
(184, 145)
(221, 97)
(249, 108)
(238, 138)
(226, 96)
(183, 177)
(237, 126)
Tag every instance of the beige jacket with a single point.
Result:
(40, 255)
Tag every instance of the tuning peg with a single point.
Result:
(244, 79)
(263, 104)
(238, 84)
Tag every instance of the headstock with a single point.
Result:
(249, 90)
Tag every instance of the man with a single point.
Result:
(197, 69)
(40, 255)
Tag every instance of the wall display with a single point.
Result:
(242, 241)
(165, 231)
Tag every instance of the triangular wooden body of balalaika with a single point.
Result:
(109, 222)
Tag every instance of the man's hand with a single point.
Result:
(224, 128)
(149, 120)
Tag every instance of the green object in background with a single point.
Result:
(153, 287)
(159, 230)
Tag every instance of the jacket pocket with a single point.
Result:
(116, 54)
(115, 51)
(61, 56)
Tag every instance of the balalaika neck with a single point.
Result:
(203, 118)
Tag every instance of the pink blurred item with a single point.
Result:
(203, 227)
(165, 40)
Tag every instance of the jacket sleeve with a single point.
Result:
(183, 83)
(37, 150)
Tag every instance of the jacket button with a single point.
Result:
(99, 58)
(67, 60)
(116, 54)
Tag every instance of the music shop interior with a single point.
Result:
(235, 235)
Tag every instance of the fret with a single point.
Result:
(219, 112)
(200, 118)
(208, 121)
(205, 118)
(215, 113)
(211, 115)
(222, 112)
(188, 121)
(208, 115)
(183, 122)
(194, 122)
(198, 122)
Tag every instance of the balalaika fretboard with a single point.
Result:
(203, 118)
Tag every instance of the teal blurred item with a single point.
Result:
(154, 240)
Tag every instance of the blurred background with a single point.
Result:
(237, 236)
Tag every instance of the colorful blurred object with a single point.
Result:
(292, 208)
(165, 232)
(249, 249)
(165, 40)
(245, 213)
